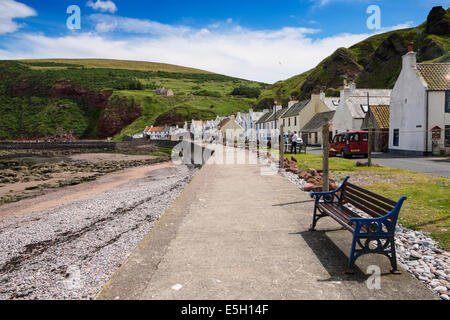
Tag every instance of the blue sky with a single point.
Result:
(259, 40)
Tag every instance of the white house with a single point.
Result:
(420, 102)
(156, 133)
(353, 106)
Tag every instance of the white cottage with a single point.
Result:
(420, 102)
(353, 106)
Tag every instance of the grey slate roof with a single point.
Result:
(318, 121)
(295, 109)
(264, 118)
(278, 115)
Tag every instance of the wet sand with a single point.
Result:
(72, 193)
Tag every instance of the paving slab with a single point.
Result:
(237, 234)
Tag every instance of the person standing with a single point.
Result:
(290, 141)
(294, 143)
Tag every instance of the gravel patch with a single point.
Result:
(417, 253)
(70, 252)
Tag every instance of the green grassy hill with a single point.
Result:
(109, 98)
(374, 62)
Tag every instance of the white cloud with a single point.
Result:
(254, 55)
(263, 55)
(11, 9)
(323, 3)
(405, 25)
(103, 6)
(108, 23)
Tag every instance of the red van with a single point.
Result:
(349, 144)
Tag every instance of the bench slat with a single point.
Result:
(358, 203)
(369, 199)
(337, 215)
(367, 204)
(373, 195)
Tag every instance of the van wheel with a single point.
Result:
(346, 155)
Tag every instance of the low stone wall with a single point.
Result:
(89, 145)
(57, 145)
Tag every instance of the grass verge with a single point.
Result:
(428, 205)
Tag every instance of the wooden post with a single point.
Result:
(370, 137)
(281, 147)
(326, 156)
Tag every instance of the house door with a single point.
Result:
(305, 138)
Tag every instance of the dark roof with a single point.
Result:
(318, 121)
(437, 75)
(264, 117)
(295, 109)
(278, 115)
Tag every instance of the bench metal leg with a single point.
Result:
(316, 218)
(393, 258)
(356, 253)
(353, 257)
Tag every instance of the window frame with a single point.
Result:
(447, 136)
(396, 137)
(447, 102)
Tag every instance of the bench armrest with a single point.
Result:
(320, 195)
(375, 225)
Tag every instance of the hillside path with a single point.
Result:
(235, 233)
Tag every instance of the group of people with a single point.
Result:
(294, 141)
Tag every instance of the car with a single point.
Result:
(349, 144)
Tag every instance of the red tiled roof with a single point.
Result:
(437, 75)
(157, 129)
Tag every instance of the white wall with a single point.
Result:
(437, 116)
(408, 101)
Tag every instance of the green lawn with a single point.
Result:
(427, 208)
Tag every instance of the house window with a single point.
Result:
(284, 122)
(295, 124)
(289, 121)
(396, 137)
(447, 101)
(447, 136)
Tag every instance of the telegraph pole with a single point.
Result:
(326, 156)
(370, 138)
(282, 147)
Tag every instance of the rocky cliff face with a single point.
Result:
(329, 73)
(118, 113)
(375, 62)
(438, 21)
(65, 89)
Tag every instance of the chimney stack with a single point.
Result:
(411, 47)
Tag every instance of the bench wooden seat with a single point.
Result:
(371, 219)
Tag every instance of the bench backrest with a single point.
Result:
(370, 203)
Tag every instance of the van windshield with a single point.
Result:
(354, 137)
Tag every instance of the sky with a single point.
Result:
(258, 40)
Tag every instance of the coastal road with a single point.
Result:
(438, 166)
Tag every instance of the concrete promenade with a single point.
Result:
(237, 234)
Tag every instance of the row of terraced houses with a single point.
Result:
(412, 118)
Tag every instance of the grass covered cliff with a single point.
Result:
(106, 98)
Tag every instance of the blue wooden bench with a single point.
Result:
(371, 218)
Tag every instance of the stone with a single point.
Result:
(440, 289)
(415, 255)
(445, 297)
